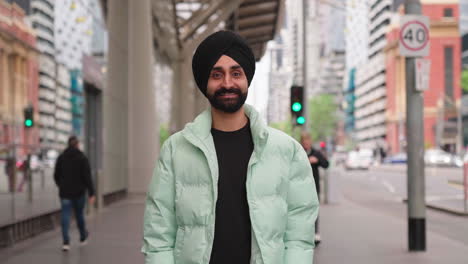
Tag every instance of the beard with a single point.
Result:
(227, 105)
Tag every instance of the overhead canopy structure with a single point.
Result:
(182, 24)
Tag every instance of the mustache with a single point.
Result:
(224, 91)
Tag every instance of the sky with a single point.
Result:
(258, 90)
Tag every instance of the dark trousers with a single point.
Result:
(317, 221)
(77, 205)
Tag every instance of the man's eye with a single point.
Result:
(237, 74)
(216, 75)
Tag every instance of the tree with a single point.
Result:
(464, 81)
(163, 133)
(288, 128)
(322, 117)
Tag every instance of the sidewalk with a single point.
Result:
(355, 234)
(351, 234)
(115, 237)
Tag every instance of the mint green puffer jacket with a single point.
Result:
(180, 207)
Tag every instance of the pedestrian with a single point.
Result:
(26, 171)
(228, 188)
(10, 168)
(73, 177)
(316, 159)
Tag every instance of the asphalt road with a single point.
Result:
(383, 191)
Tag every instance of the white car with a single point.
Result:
(438, 157)
(361, 159)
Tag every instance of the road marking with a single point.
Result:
(445, 197)
(389, 187)
(455, 185)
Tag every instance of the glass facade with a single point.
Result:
(26, 192)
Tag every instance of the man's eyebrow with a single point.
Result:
(234, 67)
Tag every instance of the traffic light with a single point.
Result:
(297, 105)
(28, 116)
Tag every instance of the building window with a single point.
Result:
(448, 59)
(448, 12)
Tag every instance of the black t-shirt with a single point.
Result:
(232, 238)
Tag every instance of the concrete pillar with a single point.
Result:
(115, 101)
(143, 125)
(183, 97)
(201, 102)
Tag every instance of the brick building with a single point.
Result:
(442, 100)
(18, 78)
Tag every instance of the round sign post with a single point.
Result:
(414, 36)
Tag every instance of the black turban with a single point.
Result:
(213, 47)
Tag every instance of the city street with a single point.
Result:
(102, 101)
(368, 224)
(384, 191)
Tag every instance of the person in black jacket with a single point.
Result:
(73, 177)
(317, 159)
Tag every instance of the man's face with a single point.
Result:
(306, 143)
(227, 85)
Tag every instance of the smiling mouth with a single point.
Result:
(228, 95)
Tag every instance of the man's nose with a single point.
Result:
(227, 81)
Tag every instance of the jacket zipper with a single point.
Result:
(252, 162)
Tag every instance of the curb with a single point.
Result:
(443, 209)
(447, 210)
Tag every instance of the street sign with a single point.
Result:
(414, 36)
(423, 67)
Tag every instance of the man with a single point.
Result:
(73, 177)
(316, 159)
(227, 188)
(10, 168)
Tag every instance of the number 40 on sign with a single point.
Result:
(414, 36)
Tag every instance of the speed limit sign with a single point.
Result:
(414, 36)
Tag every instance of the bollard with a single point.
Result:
(99, 189)
(325, 186)
(42, 177)
(465, 184)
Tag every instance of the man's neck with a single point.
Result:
(228, 121)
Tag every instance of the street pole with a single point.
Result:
(305, 110)
(415, 139)
(459, 127)
(440, 121)
(465, 185)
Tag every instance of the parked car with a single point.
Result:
(50, 158)
(359, 159)
(399, 158)
(339, 157)
(35, 163)
(438, 157)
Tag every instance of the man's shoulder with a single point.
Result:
(283, 141)
(172, 142)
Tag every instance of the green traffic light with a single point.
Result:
(300, 120)
(28, 123)
(296, 107)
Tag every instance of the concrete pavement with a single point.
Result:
(353, 231)
(115, 237)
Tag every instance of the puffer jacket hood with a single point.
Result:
(181, 201)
